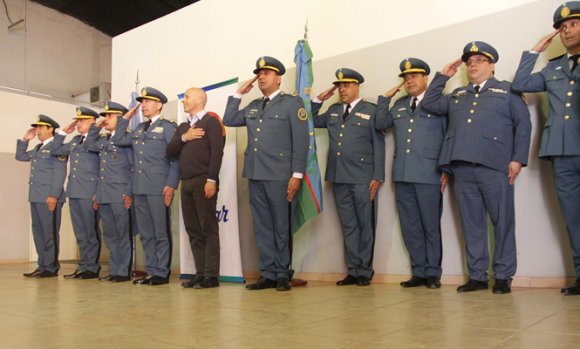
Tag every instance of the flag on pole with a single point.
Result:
(309, 197)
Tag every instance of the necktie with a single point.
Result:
(346, 112)
(414, 104)
(82, 140)
(108, 136)
(574, 60)
(147, 124)
(264, 102)
(476, 88)
(38, 147)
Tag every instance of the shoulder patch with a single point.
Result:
(302, 114)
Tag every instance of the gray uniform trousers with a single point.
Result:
(118, 237)
(45, 228)
(356, 213)
(84, 219)
(480, 190)
(420, 208)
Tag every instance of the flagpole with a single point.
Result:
(136, 273)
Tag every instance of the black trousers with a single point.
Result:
(201, 224)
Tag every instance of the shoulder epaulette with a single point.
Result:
(557, 58)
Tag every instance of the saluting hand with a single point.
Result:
(131, 112)
(327, 94)
(451, 68)
(193, 133)
(392, 92)
(70, 128)
(374, 188)
(30, 134)
(543, 44)
(293, 186)
(100, 123)
(168, 195)
(247, 86)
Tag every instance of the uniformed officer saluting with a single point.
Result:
(356, 168)
(45, 193)
(419, 183)
(81, 188)
(561, 136)
(114, 194)
(274, 163)
(154, 181)
(486, 144)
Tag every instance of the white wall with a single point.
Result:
(216, 40)
(51, 53)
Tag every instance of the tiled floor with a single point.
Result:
(58, 313)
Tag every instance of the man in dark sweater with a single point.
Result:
(199, 144)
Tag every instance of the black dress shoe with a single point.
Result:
(142, 281)
(158, 280)
(502, 286)
(348, 280)
(262, 284)
(472, 285)
(573, 290)
(415, 281)
(46, 274)
(107, 278)
(197, 278)
(433, 282)
(363, 281)
(121, 278)
(282, 284)
(74, 275)
(86, 275)
(210, 282)
(31, 275)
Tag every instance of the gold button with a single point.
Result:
(341, 126)
(74, 169)
(258, 129)
(568, 105)
(474, 103)
(428, 115)
(76, 161)
(476, 95)
(569, 93)
(276, 116)
(398, 115)
(338, 154)
(142, 142)
(140, 161)
(495, 138)
(358, 123)
(102, 177)
(260, 120)
(74, 176)
(410, 130)
(102, 169)
(566, 117)
(339, 144)
(408, 140)
(140, 151)
(255, 139)
(411, 121)
(469, 121)
(255, 149)
(362, 159)
(104, 160)
(340, 134)
(34, 160)
(281, 154)
(140, 171)
(78, 154)
(571, 82)
(408, 151)
(456, 101)
(33, 168)
(472, 111)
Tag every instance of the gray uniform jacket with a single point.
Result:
(491, 128)
(561, 136)
(47, 172)
(277, 136)
(84, 167)
(418, 139)
(356, 152)
(116, 166)
(153, 169)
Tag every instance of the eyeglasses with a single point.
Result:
(476, 60)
